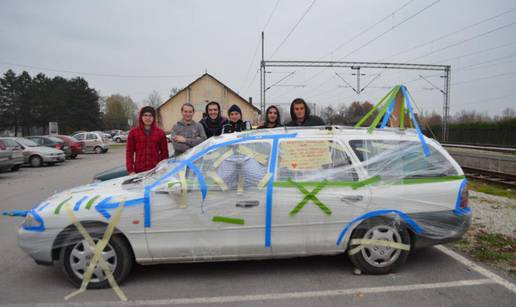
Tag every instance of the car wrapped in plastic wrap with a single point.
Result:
(261, 194)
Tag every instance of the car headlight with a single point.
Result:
(29, 221)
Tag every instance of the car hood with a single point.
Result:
(95, 201)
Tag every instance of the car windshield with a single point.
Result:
(26, 142)
(166, 166)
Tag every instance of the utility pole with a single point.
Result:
(262, 77)
(446, 103)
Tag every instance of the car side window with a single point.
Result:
(79, 137)
(234, 167)
(400, 159)
(91, 136)
(314, 160)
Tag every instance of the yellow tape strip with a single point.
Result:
(211, 155)
(240, 188)
(261, 158)
(218, 180)
(364, 242)
(338, 146)
(264, 181)
(226, 155)
(184, 189)
(97, 249)
(363, 149)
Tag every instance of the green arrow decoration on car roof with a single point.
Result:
(392, 109)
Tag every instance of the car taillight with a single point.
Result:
(464, 197)
(2, 146)
(58, 146)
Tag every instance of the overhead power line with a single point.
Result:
(293, 29)
(96, 74)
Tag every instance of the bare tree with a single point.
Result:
(153, 100)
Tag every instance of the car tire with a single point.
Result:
(36, 161)
(118, 140)
(117, 254)
(15, 168)
(377, 260)
(73, 156)
(98, 149)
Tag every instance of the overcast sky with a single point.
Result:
(135, 47)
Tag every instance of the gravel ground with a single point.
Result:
(497, 214)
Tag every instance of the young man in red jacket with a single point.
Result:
(146, 144)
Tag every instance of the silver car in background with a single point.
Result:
(93, 141)
(120, 137)
(17, 153)
(36, 155)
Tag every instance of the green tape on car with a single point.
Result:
(229, 220)
(91, 201)
(58, 208)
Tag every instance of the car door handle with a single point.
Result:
(247, 203)
(352, 198)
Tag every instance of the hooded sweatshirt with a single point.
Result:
(213, 127)
(309, 120)
(145, 150)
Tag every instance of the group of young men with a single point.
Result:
(147, 144)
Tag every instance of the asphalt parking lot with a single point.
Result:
(431, 277)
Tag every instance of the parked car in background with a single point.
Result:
(17, 152)
(5, 158)
(105, 136)
(36, 155)
(76, 146)
(52, 142)
(93, 142)
(120, 137)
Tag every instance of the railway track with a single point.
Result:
(502, 179)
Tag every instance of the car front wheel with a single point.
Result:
(36, 161)
(76, 257)
(379, 259)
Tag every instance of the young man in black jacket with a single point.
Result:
(300, 113)
(213, 122)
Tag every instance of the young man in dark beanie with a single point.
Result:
(146, 144)
(213, 122)
(235, 124)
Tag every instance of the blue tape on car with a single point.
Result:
(21, 213)
(78, 203)
(200, 178)
(414, 120)
(270, 189)
(388, 114)
(37, 218)
(412, 224)
(105, 205)
(183, 163)
(43, 206)
(458, 210)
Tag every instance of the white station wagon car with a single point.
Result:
(261, 194)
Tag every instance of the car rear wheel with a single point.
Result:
(376, 259)
(36, 161)
(98, 150)
(118, 140)
(73, 156)
(76, 256)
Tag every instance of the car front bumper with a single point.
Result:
(36, 244)
(53, 159)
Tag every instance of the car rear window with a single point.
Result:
(401, 159)
(55, 139)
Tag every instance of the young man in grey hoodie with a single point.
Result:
(187, 133)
